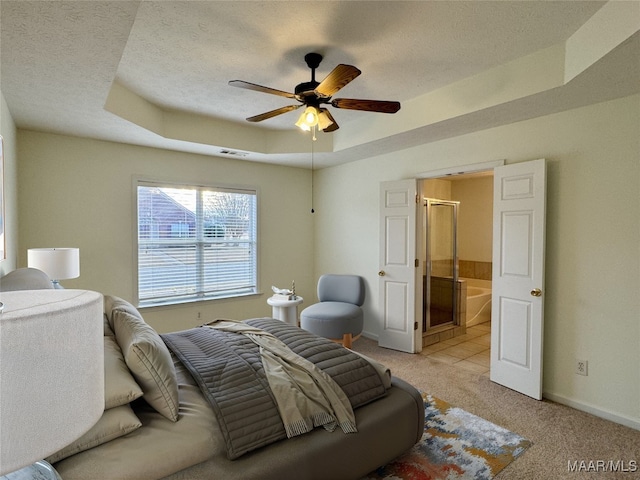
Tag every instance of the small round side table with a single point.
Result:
(285, 310)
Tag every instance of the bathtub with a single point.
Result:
(478, 307)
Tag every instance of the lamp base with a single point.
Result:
(56, 285)
(40, 470)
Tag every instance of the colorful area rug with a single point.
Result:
(455, 445)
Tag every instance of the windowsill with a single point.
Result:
(191, 302)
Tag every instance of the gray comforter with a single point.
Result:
(229, 371)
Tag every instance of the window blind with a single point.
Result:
(195, 243)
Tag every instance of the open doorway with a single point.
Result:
(517, 271)
(457, 254)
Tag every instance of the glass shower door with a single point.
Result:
(441, 280)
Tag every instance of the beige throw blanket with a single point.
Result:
(306, 396)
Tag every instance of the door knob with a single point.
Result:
(381, 273)
(536, 292)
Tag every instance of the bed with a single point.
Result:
(161, 422)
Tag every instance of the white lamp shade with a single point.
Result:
(57, 263)
(51, 372)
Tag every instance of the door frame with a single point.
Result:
(461, 170)
(451, 172)
(415, 303)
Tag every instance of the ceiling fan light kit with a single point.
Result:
(302, 124)
(324, 120)
(308, 119)
(312, 94)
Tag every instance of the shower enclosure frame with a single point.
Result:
(429, 203)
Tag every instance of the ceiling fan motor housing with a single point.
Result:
(306, 89)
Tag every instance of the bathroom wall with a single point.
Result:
(475, 225)
(475, 221)
(475, 217)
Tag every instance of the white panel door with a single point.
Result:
(518, 276)
(398, 272)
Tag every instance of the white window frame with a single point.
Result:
(199, 242)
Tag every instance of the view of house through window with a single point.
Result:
(195, 243)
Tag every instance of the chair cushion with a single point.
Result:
(341, 288)
(332, 319)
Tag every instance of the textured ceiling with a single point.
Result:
(61, 60)
(181, 55)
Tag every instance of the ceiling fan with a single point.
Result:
(314, 94)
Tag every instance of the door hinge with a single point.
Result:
(417, 263)
(415, 325)
(417, 198)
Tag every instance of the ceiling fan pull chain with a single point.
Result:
(312, 140)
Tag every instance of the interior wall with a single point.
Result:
(9, 188)
(78, 192)
(593, 233)
(475, 217)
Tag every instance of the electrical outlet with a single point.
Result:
(199, 315)
(582, 367)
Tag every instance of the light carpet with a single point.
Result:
(455, 445)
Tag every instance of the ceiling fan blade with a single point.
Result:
(333, 126)
(273, 113)
(260, 88)
(381, 106)
(337, 78)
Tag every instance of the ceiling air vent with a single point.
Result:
(233, 153)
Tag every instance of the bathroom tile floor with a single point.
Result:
(470, 351)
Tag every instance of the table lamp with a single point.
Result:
(57, 263)
(51, 372)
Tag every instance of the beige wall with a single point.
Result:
(79, 193)
(475, 214)
(592, 289)
(475, 217)
(10, 187)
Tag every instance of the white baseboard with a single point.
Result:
(370, 335)
(593, 410)
(584, 407)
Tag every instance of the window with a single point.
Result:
(195, 243)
